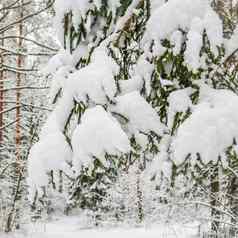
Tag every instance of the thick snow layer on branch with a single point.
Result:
(179, 101)
(144, 70)
(211, 128)
(50, 153)
(161, 25)
(57, 119)
(194, 44)
(59, 81)
(95, 82)
(135, 83)
(176, 40)
(214, 29)
(63, 58)
(97, 134)
(141, 116)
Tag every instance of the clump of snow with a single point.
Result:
(160, 163)
(135, 83)
(176, 39)
(185, 17)
(63, 58)
(95, 82)
(59, 80)
(194, 44)
(97, 134)
(211, 128)
(214, 29)
(58, 118)
(179, 101)
(141, 116)
(51, 153)
(144, 70)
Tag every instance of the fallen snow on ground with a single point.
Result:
(70, 228)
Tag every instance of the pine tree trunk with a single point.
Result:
(18, 83)
(1, 92)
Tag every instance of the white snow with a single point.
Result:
(210, 129)
(194, 44)
(214, 29)
(144, 70)
(67, 227)
(135, 83)
(142, 117)
(50, 153)
(56, 121)
(95, 82)
(176, 39)
(179, 101)
(97, 134)
(185, 17)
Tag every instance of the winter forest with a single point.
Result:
(118, 118)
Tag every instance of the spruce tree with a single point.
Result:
(129, 89)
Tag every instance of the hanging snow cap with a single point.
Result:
(95, 83)
(97, 134)
(211, 128)
(61, 59)
(141, 116)
(51, 153)
(162, 26)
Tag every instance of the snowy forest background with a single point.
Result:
(119, 114)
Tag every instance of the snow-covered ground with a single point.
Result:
(67, 228)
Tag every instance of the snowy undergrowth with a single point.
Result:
(70, 227)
